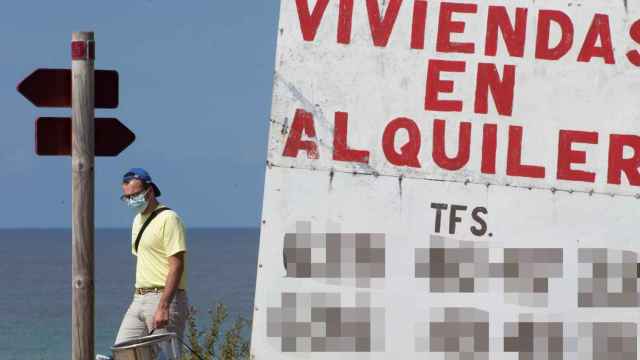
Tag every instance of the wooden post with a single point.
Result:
(83, 152)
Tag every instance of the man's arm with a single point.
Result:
(176, 268)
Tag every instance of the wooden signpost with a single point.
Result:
(83, 137)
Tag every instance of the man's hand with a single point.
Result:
(176, 267)
(161, 317)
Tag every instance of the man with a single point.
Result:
(160, 302)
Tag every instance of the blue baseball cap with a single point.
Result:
(142, 175)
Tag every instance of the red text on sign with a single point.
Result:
(623, 152)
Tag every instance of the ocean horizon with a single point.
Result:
(35, 270)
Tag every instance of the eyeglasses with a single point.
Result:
(131, 196)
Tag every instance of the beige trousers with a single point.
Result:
(138, 320)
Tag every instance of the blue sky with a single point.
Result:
(195, 87)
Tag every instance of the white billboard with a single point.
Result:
(452, 180)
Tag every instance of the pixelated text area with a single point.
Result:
(318, 322)
(465, 267)
(334, 255)
(608, 278)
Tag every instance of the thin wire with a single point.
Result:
(194, 353)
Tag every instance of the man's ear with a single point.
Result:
(150, 194)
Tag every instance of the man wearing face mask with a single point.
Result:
(159, 243)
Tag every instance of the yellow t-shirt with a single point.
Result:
(165, 236)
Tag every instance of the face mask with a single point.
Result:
(138, 203)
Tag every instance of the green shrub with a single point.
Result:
(221, 340)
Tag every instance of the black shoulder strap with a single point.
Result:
(146, 223)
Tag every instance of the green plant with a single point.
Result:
(220, 340)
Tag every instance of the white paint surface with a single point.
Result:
(375, 85)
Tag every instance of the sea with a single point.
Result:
(35, 284)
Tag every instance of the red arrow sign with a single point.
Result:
(53, 136)
(52, 88)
